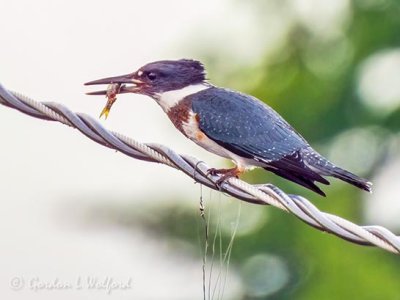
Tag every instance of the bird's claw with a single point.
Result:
(225, 174)
(212, 171)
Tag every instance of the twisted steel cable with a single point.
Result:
(258, 194)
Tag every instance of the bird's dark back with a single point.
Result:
(244, 124)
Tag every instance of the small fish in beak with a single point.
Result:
(113, 90)
(116, 85)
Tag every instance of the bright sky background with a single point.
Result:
(51, 173)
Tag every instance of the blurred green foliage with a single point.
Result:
(321, 106)
(312, 81)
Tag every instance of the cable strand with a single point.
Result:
(266, 194)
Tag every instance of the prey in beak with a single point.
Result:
(116, 85)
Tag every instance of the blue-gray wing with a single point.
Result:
(249, 128)
(244, 125)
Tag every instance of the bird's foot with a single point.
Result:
(226, 174)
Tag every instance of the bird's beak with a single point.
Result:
(116, 85)
(119, 80)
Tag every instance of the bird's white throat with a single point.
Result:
(171, 98)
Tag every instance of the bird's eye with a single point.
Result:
(152, 76)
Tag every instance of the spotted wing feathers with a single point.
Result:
(245, 125)
(251, 129)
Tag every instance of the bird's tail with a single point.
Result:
(323, 167)
(359, 182)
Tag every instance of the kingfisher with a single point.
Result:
(228, 123)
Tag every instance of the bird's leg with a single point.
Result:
(226, 173)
